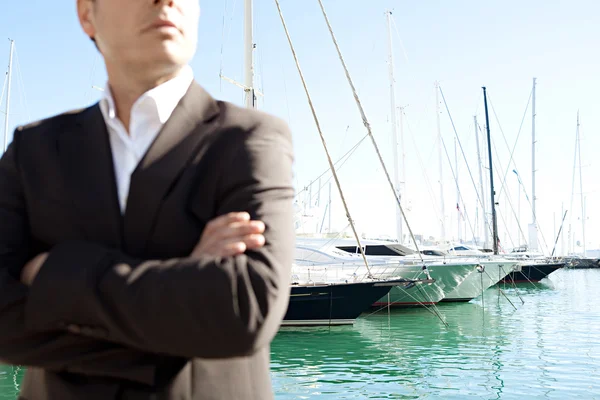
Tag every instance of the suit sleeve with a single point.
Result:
(51, 348)
(209, 308)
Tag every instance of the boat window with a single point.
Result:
(349, 249)
(371, 250)
(380, 250)
(460, 248)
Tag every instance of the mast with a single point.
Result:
(583, 223)
(493, 193)
(562, 237)
(329, 211)
(519, 209)
(249, 96)
(457, 191)
(570, 247)
(581, 185)
(403, 169)
(480, 163)
(533, 243)
(440, 144)
(9, 77)
(319, 194)
(388, 14)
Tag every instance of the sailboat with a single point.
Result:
(580, 260)
(491, 268)
(338, 259)
(446, 275)
(324, 302)
(533, 268)
(484, 270)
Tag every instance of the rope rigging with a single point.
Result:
(368, 126)
(526, 196)
(454, 175)
(224, 39)
(341, 160)
(460, 145)
(508, 197)
(424, 170)
(504, 184)
(331, 166)
(511, 160)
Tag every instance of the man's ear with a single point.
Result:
(85, 12)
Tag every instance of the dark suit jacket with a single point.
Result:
(118, 311)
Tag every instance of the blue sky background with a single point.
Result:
(463, 44)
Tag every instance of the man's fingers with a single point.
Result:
(229, 235)
(241, 245)
(225, 220)
(239, 229)
(232, 249)
(254, 241)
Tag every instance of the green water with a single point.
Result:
(548, 348)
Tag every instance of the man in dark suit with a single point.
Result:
(145, 242)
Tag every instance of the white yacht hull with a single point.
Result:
(490, 273)
(446, 278)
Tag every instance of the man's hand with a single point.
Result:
(230, 235)
(31, 269)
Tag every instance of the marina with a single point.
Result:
(436, 257)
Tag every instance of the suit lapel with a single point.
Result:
(86, 158)
(174, 147)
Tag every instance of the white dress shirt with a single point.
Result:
(148, 115)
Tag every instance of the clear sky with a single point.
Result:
(463, 44)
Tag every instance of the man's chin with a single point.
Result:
(162, 61)
(170, 53)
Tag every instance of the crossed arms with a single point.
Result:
(92, 308)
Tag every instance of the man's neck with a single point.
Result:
(126, 87)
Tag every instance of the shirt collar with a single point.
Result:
(161, 100)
